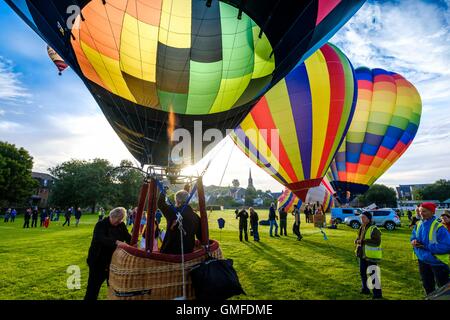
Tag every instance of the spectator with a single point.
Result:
(409, 214)
(101, 214)
(273, 220)
(243, 224)
(307, 213)
(7, 215)
(27, 217)
(254, 224)
(78, 214)
(446, 219)
(34, 217)
(43, 215)
(283, 221)
(431, 245)
(68, 216)
(108, 234)
(57, 213)
(13, 214)
(297, 221)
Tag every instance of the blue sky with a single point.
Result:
(56, 119)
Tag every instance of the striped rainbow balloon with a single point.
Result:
(295, 130)
(386, 120)
(287, 200)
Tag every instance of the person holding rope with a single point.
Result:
(191, 224)
(108, 234)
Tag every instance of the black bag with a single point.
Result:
(215, 280)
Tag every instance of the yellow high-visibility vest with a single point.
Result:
(372, 252)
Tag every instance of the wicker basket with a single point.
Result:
(137, 275)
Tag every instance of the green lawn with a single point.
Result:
(34, 261)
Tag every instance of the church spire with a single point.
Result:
(250, 180)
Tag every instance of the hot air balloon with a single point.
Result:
(295, 130)
(385, 123)
(323, 194)
(57, 60)
(207, 61)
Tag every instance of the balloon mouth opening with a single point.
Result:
(301, 188)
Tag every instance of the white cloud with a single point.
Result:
(11, 88)
(9, 126)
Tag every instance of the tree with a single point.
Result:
(250, 196)
(381, 195)
(16, 183)
(127, 185)
(82, 183)
(440, 190)
(235, 183)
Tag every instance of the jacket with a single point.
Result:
(191, 225)
(441, 247)
(103, 243)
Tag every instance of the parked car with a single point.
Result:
(339, 214)
(386, 218)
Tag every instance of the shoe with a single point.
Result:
(271, 236)
(365, 291)
(377, 298)
(277, 236)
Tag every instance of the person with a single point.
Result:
(333, 224)
(369, 252)
(431, 244)
(101, 214)
(57, 213)
(34, 217)
(283, 221)
(445, 217)
(108, 234)
(78, 214)
(273, 220)
(415, 219)
(306, 212)
(27, 217)
(319, 217)
(43, 215)
(409, 214)
(129, 216)
(190, 223)
(296, 225)
(67, 215)
(243, 224)
(254, 219)
(13, 214)
(7, 215)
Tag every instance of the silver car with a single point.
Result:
(386, 218)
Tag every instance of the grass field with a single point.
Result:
(33, 262)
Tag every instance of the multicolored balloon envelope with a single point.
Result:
(295, 130)
(202, 60)
(322, 194)
(385, 123)
(57, 60)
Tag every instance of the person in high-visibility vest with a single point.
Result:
(369, 252)
(431, 245)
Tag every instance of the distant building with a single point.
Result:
(41, 193)
(406, 192)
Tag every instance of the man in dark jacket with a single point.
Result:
(368, 250)
(68, 215)
(273, 220)
(27, 217)
(34, 217)
(78, 214)
(243, 223)
(283, 221)
(190, 222)
(108, 233)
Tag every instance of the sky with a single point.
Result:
(56, 119)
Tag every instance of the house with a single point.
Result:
(406, 192)
(42, 192)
